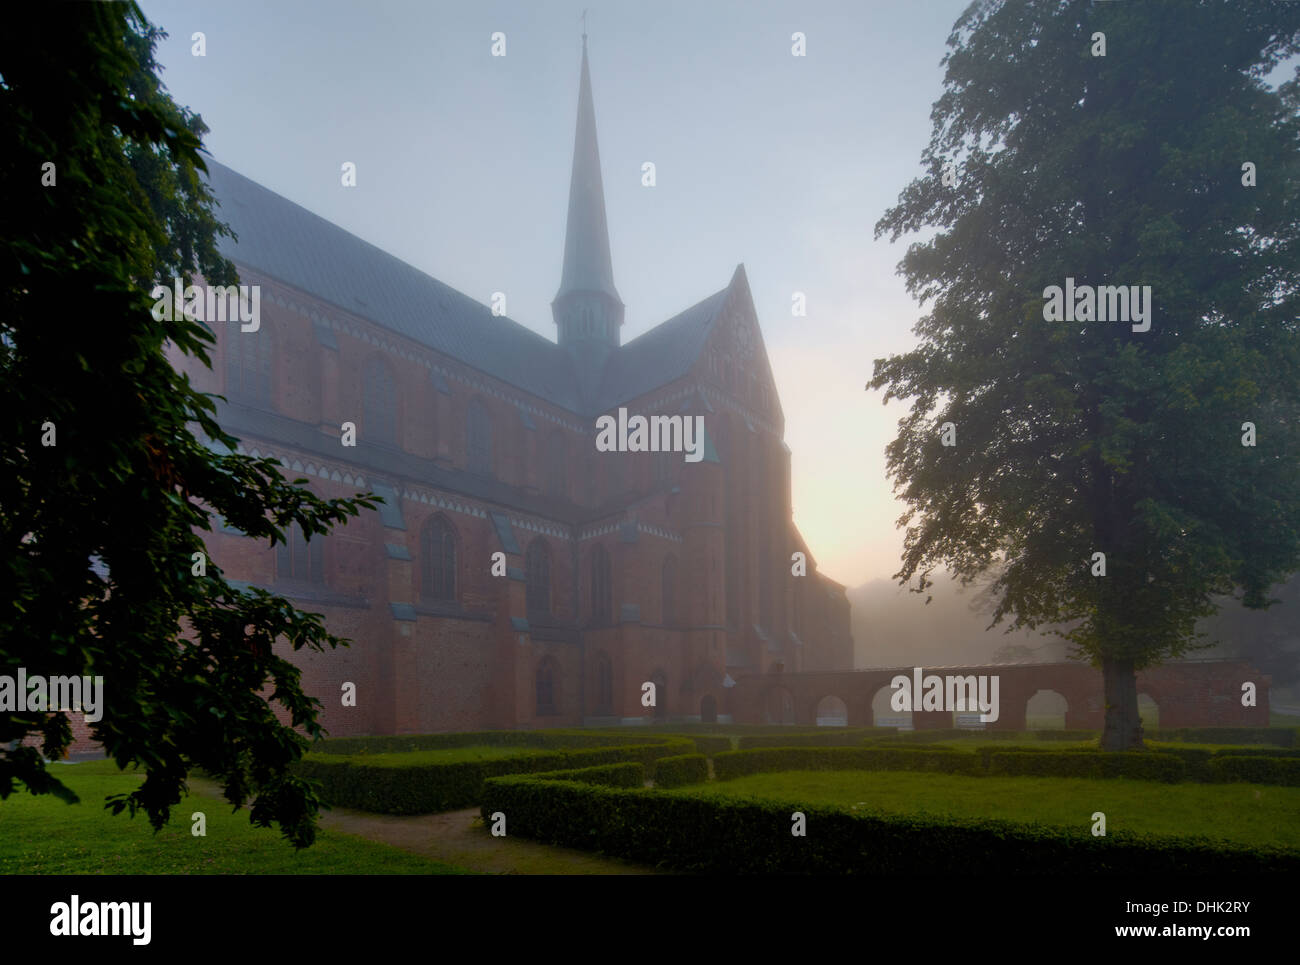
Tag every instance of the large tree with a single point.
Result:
(1106, 143)
(112, 463)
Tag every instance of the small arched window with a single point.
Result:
(537, 566)
(438, 561)
(602, 597)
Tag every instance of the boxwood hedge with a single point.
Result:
(627, 774)
(415, 787)
(1149, 766)
(720, 836)
(1277, 736)
(1256, 770)
(682, 770)
(741, 763)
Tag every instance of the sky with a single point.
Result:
(782, 163)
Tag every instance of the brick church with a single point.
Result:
(620, 568)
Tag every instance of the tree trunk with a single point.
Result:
(1123, 728)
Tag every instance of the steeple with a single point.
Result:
(587, 308)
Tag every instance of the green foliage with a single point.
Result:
(710, 745)
(572, 739)
(398, 784)
(1166, 768)
(627, 774)
(958, 733)
(190, 677)
(1256, 770)
(681, 770)
(837, 737)
(1277, 736)
(740, 763)
(1075, 438)
(721, 836)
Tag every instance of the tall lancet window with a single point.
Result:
(478, 430)
(248, 366)
(380, 421)
(602, 597)
(537, 572)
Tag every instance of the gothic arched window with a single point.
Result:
(298, 559)
(438, 560)
(248, 366)
(668, 596)
(548, 698)
(557, 465)
(379, 422)
(478, 432)
(604, 686)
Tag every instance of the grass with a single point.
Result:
(42, 835)
(1247, 814)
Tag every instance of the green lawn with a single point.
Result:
(42, 835)
(1244, 813)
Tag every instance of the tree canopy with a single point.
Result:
(1081, 145)
(113, 464)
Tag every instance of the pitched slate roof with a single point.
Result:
(302, 249)
(659, 356)
(288, 242)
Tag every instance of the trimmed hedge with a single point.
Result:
(1066, 735)
(683, 770)
(1091, 764)
(1256, 770)
(825, 738)
(427, 788)
(1196, 760)
(742, 763)
(1284, 752)
(556, 739)
(722, 836)
(962, 733)
(628, 774)
(710, 745)
(1277, 736)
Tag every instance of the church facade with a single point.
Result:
(516, 575)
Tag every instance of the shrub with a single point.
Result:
(1256, 770)
(557, 739)
(627, 774)
(824, 738)
(1257, 752)
(712, 744)
(1090, 764)
(741, 763)
(1066, 735)
(682, 770)
(1196, 760)
(421, 787)
(1277, 736)
(703, 834)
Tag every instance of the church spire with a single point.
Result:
(587, 308)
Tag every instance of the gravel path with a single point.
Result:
(459, 838)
